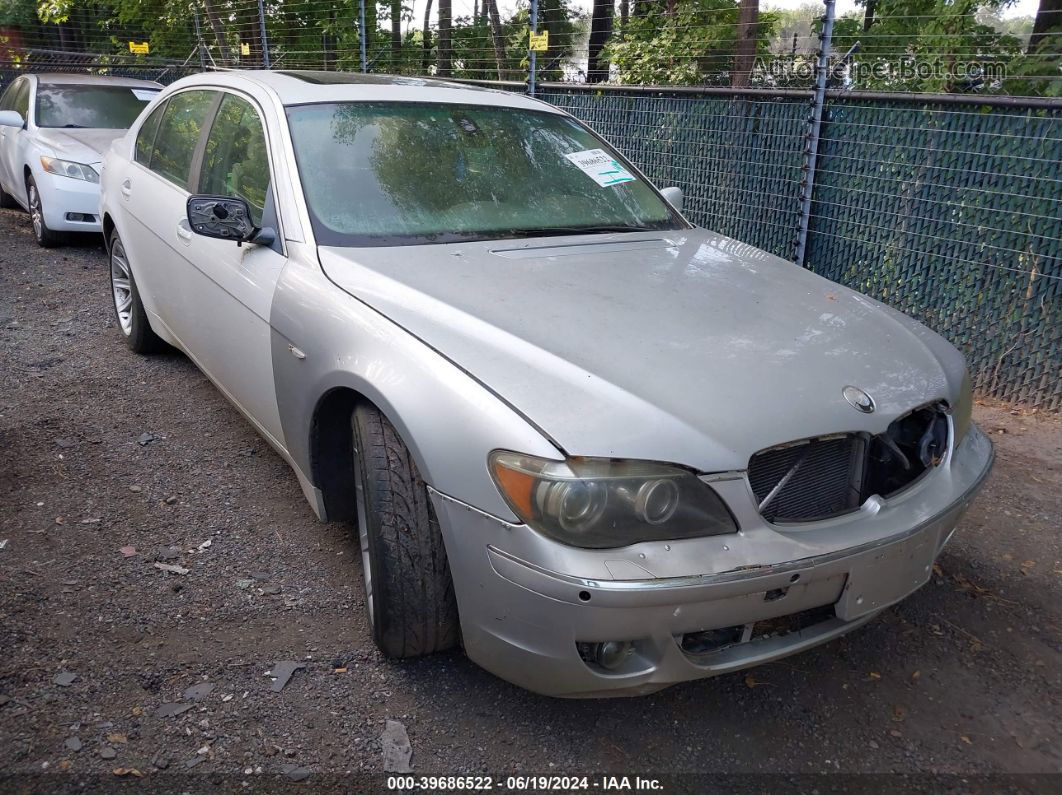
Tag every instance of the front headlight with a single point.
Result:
(68, 168)
(600, 503)
(960, 412)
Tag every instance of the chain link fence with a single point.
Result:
(945, 206)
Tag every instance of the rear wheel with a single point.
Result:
(128, 309)
(409, 593)
(46, 238)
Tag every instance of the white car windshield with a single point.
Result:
(96, 107)
(405, 173)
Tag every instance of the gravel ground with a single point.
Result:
(961, 679)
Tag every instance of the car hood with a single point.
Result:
(683, 346)
(82, 146)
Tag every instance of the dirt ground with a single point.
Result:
(103, 450)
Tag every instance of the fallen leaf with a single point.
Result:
(138, 711)
(751, 681)
(899, 713)
(128, 552)
(172, 568)
(966, 740)
(340, 671)
(875, 675)
(117, 738)
(127, 771)
(916, 676)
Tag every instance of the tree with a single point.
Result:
(396, 33)
(1046, 36)
(745, 54)
(426, 43)
(497, 35)
(600, 32)
(445, 44)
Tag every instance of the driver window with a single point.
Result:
(235, 160)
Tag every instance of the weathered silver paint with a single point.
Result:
(685, 347)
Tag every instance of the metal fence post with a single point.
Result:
(811, 145)
(361, 34)
(199, 41)
(534, 55)
(262, 28)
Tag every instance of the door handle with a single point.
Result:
(184, 231)
(127, 188)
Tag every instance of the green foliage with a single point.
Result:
(692, 44)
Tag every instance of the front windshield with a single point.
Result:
(401, 173)
(96, 107)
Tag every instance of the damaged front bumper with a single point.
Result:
(533, 623)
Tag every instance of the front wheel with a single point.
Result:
(128, 309)
(409, 593)
(46, 238)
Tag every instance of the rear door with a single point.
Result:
(154, 191)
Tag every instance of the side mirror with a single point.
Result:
(11, 118)
(226, 218)
(674, 197)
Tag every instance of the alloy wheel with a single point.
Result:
(363, 541)
(121, 287)
(36, 214)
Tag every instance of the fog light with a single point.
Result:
(610, 654)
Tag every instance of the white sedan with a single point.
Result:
(54, 129)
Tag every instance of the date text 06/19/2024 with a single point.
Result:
(551, 783)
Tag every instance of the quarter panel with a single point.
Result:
(449, 421)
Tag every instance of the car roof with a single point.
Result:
(297, 87)
(62, 78)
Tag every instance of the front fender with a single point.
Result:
(449, 420)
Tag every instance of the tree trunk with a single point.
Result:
(625, 11)
(396, 33)
(600, 32)
(219, 30)
(868, 15)
(425, 57)
(1048, 16)
(446, 54)
(497, 35)
(745, 53)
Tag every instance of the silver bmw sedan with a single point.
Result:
(602, 449)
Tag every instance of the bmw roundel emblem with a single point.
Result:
(858, 399)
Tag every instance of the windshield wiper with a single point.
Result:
(78, 126)
(546, 231)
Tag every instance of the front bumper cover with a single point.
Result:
(523, 621)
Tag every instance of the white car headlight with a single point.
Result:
(600, 503)
(68, 168)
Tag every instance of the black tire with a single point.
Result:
(134, 326)
(45, 237)
(409, 591)
(7, 201)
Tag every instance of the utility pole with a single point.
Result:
(534, 55)
(262, 28)
(814, 130)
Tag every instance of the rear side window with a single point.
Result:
(178, 134)
(235, 160)
(145, 137)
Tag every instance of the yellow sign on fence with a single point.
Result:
(139, 48)
(245, 48)
(539, 42)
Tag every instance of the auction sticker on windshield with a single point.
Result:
(600, 167)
